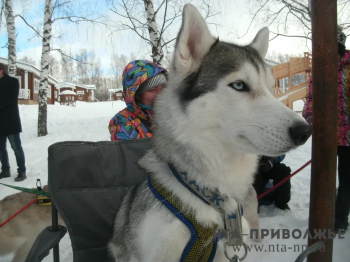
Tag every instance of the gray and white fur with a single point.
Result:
(215, 116)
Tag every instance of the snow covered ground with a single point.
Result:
(89, 121)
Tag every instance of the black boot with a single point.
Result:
(4, 174)
(21, 176)
(282, 206)
(342, 208)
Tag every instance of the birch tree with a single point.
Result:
(11, 29)
(44, 74)
(157, 50)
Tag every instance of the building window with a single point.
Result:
(80, 92)
(19, 80)
(49, 91)
(119, 95)
(73, 97)
(36, 86)
(55, 94)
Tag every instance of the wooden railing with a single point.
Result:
(281, 72)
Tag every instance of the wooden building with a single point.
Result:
(115, 94)
(29, 79)
(84, 92)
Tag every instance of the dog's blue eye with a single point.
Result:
(239, 86)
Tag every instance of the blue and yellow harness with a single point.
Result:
(202, 246)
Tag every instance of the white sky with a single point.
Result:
(233, 20)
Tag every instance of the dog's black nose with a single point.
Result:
(300, 133)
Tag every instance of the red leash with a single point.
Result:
(305, 165)
(284, 180)
(18, 212)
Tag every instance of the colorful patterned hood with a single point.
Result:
(135, 120)
(134, 74)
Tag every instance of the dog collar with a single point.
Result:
(210, 197)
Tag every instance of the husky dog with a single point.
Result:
(213, 119)
(18, 235)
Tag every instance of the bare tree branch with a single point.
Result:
(160, 6)
(300, 4)
(171, 21)
(298, 10)
(25, 21)
(6, 45)
(297, 36)
(79, 19)
(58, 5)
(256, 13)
(274, 14)
(135, 30)
(300, 19)
(166, 43)
(164, 19)
(76, 58)
(127, 16)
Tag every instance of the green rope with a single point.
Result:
(29, 190)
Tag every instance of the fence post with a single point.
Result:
(325, 120)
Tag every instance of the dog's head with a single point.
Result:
(221, 94)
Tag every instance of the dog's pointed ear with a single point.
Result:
(261, 41)
(193, 42)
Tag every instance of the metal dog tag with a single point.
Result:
(234, 229)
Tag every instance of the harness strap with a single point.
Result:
(201, 247)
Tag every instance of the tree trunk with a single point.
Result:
(44, 75)
(157, 51)
(11, 29)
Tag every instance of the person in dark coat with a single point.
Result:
(10, 125)
(272, 168)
